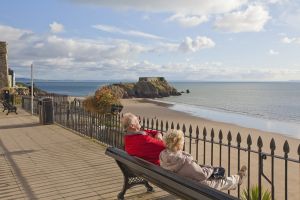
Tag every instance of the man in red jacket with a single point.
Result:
(146, 144)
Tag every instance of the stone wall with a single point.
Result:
(3, 65)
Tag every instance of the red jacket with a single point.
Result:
(144, 146)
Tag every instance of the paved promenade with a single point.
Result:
(50, 162)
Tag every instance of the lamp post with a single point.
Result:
(31, 89)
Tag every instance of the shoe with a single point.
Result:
(242, 173)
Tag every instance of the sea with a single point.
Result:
(267, 106)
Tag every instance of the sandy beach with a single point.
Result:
(156, 110)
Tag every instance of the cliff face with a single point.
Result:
(145, 88)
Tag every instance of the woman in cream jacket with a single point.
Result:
(173, 158)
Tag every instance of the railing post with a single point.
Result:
(260, 165)
(147, 123)
(249, 143)
(152, 124)
(68, 115)
(190, 137)
(91, 121)
(286, 149)
(183, 130)
(212, 135)
(239, 140)
(197, 143)
(229, 139)
(272, 147)
(60, 113)
(220, 147)
(143, 126)
(167, 126)
(204, 144)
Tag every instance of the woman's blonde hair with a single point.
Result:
(173, 138)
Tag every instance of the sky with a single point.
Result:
(182, 40)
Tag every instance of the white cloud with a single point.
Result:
(191, 7)
(56, 27)
(57, 53)
(273, 52)
(187, 21)
(12, 34)
(112, 29)
(288, 40)
(252, 19)
(200, 42)
(57, 57)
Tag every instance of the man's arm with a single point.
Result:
(154, 134)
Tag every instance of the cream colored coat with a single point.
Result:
(182, 163)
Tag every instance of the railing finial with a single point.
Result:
(259, 142)
(238, 138)
(220, 135)
(177, 127)
(183, 128)
(286, 147)
(190, 129)
(197, 132)
(204, 132)
(212, 133)
(272, 144)
(229, 137)
(249, 140)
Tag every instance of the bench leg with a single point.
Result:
(121, 195)
(130, 180)
(125, 187)
(149, 187)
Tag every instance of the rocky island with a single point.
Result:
(146, 87)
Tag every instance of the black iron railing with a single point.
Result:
(207, 147)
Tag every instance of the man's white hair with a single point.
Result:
(128, 119)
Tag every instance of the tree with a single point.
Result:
(102, 101)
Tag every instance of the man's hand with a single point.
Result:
(158, 136)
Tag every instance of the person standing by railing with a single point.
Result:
(6, 96)
(146, 144)
(173, 158)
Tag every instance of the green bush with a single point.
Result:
(265, 194)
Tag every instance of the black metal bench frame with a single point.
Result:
(138, 171)
(10, 108)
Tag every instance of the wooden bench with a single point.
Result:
(138, 171)
(10, 108)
